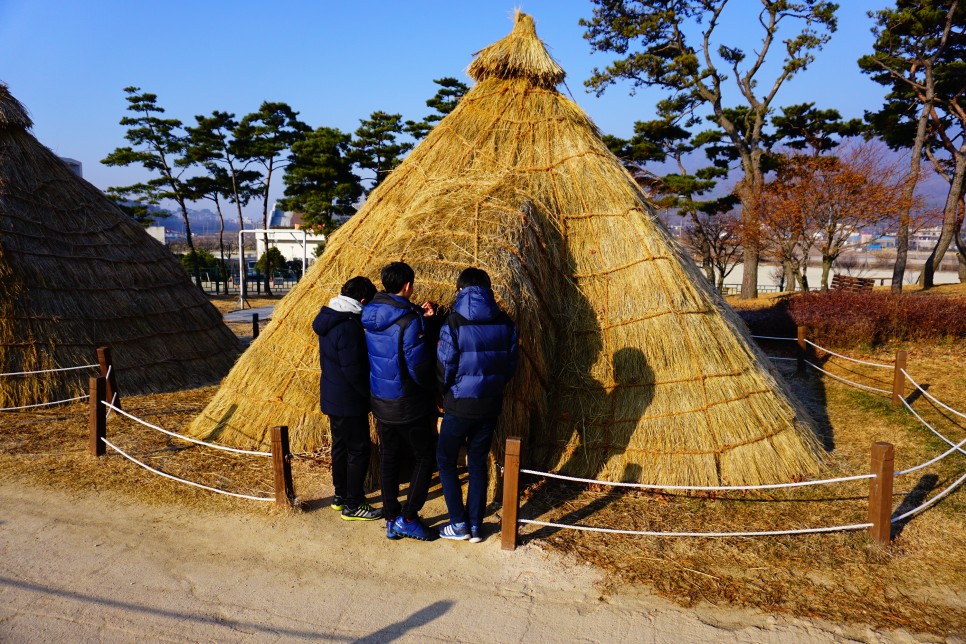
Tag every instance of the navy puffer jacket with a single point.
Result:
(400, 362)
(344, 387)
(477, 355)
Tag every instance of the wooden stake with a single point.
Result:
(107, 371)
(282, 466)
(899, 379)
(511, 494)
(254, 325)
(880, 492)
(97, 423)
(801, 349)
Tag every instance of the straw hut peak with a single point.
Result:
(632, 366)
(77, 273)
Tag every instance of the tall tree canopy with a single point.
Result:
(451, 90)
(319, 182)
(376, 146)
(159, 146)
(654, 44)
(918, 54)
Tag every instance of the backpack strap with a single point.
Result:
(403, 323)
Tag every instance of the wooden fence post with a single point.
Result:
(801, 350)
(880, 492)
(282, 466)
(97, 423)
(899, 379)
(511, 494)
(106, 363)
(254, 325)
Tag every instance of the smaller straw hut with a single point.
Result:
(77, 273)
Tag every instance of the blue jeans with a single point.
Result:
(477, 435)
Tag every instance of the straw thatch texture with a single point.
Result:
(77, 273)
(632, 366)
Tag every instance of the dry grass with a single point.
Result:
(632, 367)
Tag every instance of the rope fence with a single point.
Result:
(880, 479)
(29, 373)
(41, 371)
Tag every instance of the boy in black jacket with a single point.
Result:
(344, 395)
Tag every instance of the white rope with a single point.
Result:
(846, 380)
(871, 364)
(46, 404)
(949, 451)
(643, 533)
(930, 427)
(780, 358)
(186, 482)
(768, 337)
(930, 397)
(110, 405)
(933, 500)
(27, 373)
(705, 488)
(185, 438)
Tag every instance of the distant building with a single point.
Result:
(165, 235)
(925, 239)
(75, 166)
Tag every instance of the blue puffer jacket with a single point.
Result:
(344, 386)
(400, 362)
(477, 355)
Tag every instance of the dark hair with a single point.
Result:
(359, 288)
(396, 275)
(473, 276)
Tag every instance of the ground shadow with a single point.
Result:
(915, 498)
(402, 628)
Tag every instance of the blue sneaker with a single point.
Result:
(456, 531)
(389, 533)
(413, 529)
(476, 535)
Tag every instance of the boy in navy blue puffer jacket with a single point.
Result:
(477, 355)
(344, 395)
(403, 394)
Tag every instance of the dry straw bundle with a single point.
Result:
(77, 273)
(633, 368)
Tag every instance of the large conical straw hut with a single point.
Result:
(632, 366)
(77, 273)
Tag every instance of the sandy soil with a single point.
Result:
(98, 567)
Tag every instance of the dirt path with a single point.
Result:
(99, 568)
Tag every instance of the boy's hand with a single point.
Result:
(429, 309)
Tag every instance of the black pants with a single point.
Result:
(419, 437)
(351, 447)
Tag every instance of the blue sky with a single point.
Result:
(333, 61)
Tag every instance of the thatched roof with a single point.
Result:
(77, 273)
(633, 367)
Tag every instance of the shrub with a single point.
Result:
(843, 319)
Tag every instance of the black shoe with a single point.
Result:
(362, 512)
(338, 503)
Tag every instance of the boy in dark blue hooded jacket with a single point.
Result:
(403, 394)
(344, 395)
(477, 355)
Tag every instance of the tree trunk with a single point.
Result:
(705, 247)
(960, 244)
(268, 276)
(221, 248)
(826, 269)
(191, 245)
(908, 190)
(950, 218)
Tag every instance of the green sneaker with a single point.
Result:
(364, 512)
(338, 503)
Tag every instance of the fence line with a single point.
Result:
(185, 481)
(27, 373)
(698, 488)
(46, 404)
(954, 448)
(644, 533)
(930, 427)
(768, 337)
(185, 438)
(846, 380)
(871, 364)
(931, 397)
